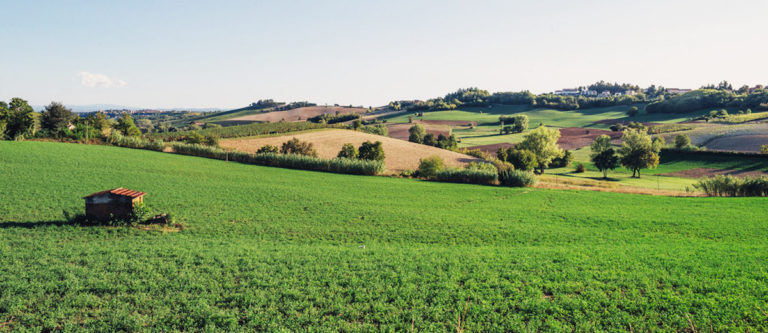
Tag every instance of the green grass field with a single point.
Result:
(280, 250)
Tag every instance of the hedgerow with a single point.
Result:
(117, 139)
(243, 130)
(469, 176)
(291, 161)
(730, 186)
(517, 178)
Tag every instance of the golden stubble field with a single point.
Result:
(400, 155)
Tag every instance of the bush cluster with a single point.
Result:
(469, 176)
(517, 178)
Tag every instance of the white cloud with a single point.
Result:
(92, 80)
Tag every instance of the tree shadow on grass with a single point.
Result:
(34, 224)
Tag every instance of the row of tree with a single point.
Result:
(18, 121)
(418, 134)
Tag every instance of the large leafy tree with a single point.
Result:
(372, 151)
(603, 155)
(637, 152)
(18, 118)
(542, 142)
(3, 118)
(126, 126)
(55, 118)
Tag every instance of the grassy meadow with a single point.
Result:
(273, 249)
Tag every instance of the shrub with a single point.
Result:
(298, 147)
(764, 149)
(682, 141)
(194, 138)
(211, 140)
(430, 166)
(483, 166)
(371, 151)
(469, 176)
(502, 165)
(633, 111)
(378, 130)
(348, 151)
(416, 133)
(476, 153)
(517, 178)
(580, 168)
(429, 140)
(268, 149)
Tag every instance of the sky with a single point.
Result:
(227, 54)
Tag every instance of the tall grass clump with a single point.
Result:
(117, 139)
(290, 161)
(469, 176)
(730, 186)
(517, 178)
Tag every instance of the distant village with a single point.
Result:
(605, 93)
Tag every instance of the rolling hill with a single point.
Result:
(267, 249)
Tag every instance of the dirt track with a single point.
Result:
(400, 155)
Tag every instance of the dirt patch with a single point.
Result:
(400, 155)
(493, 148)
(742, 143)
(577, 137)
(299, 114)
(709, 172)
(400, 131)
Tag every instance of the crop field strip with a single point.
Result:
(275, 249)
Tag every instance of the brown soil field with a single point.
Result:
(400, 155)
(492, 148)
(299, 114)
(709, 172)
(400, 131)
(742, 143)
(577, 137)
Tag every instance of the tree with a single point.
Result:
(521, 159)
(3, 119)
(658, 143)
(543, 143)
(417, 133)
(372, 151)
(637, 152)
(633, 111)
(447, 142)
(429, 140)
(194, 138)
(145, 125)
(605, 160)
(98, 120)
(18, 118)
(682, 141)
(764, 149)
(268, 149)
(295, 146)
(356, 124)
(55, 118)
(601, 143)
(348, 151)
(126, 126)
(430, 166)
(563, 160)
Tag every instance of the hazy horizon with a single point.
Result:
(229, 54)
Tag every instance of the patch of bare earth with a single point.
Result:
(298, 114)
(741, 143)
(709, 172)
(400, 131)
(577, 137)
(400, 155)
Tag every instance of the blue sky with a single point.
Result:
(230, 53)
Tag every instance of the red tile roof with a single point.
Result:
(119, 191)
